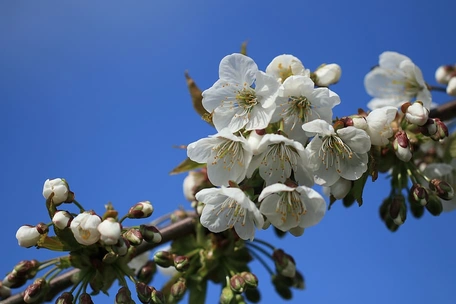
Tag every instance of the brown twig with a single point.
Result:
(62, 282)
(444, 112)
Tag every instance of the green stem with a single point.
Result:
(262, 250)
(81, 209)
(260, 259)
(123, 218)
(264, 243)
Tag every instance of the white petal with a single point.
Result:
(318, 126)
(356, 139)
(273, 189)
(391, 60)
(238, 68)
(200, 151)
(315, 206)
(266, 88)
(354, 168)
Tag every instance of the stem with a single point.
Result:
(436, 88)
(264, 243)
(81, 209)
(62, 282)
(445, 111)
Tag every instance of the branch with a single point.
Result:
(444, 112)
(62, 282)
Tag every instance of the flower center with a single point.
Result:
(284, 73)
(231, 152)
(290, 204)
(332, 150)
(412, 87)
(85, 234)
(281, 153)
(233, 211)
(247, 98)
(299, 108)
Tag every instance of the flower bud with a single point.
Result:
(417, 210)
(359, 122)
(65, 298)
(254, 139)
(415, 113)
(164, 258)
(327, 74)
(59, 188)
(178, 289)
(146, 272)
(182, 263)
(121, 247)
(250, 279)
(253, 295)
(419, 194)
(141, 210)
(434, 205)
(442, 130)
(27, 236)
(443, 73)
(123, 296)
(35, 291)
(85, 298)
(298, 281)
(110, 257)
(284, 263)
(62, 219)
(150, 233)
(442, 189)
(28, 269)
(144, 292)
(398, 209)
(84, 228)
(194, 182)
(429, 128)
(157, 297)
(401, 146)
(109, 231)
(282, 289)
(42, 228)
(227, 295)
(237, 283)
(451, 88)
(133, 236)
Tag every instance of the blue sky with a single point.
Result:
(94, 92)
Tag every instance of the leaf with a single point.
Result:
(197, 98)
(186, 165)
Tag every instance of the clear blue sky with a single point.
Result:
(93, 91)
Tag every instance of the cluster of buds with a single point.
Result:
(446, 74)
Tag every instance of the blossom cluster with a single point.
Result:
(277, 137)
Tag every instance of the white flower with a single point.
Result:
(335, 154)
(84, 228)
(327, 74)
(109, 231)
(379, 125)
(227, 156)
(416, 113)
(284, 66)
(451, 88)
(227, 208)
(278, 157)
(299, 102)
(288, 207)
(232, 100)
(444, 73)
(254, 140)
(396, 80)
(27, 236)
(62, 219)
(57, 186)
(447, 173)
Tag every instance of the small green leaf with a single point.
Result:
(186, 165)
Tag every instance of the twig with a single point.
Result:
(62, 282)
(444, 112)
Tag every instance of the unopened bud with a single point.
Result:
(327, 74)
(284, 263)
(415, 113)
(398, 209)
(150, 233)
(62, 219)
(359, 122)
(58, 190)
(42, 228)
(133, 236)
(237, 283)
(419, 194)
(65, 298)
(123, 296)
(417, 210)
(144, 292)
(194, 182)
(443, 73)
(442, 189)
(429, 128)
(85, 298)
(157, 297)
(281, 288)
(442, 130)
(27, 236)
(253, 295)
(250, 279)
(434, 205)
(401, 146)
(451, 88)
(254, 139)
(146, 273)
(298, 281)
(122, 246)
(13, 280)
(164, 258)
(141, 210)
(35, 291)
(182, 263)
(110, 257)
(227, 295)
(178, 289)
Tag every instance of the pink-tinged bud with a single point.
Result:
(401, 146)
(5, 291)
(141, 210)
(442, 130)
(327, 74)
(27, 236)
(415, 113)
(13, 280)
(133, 236)
(42, 228)
(451, 88)
(237, 283)
(146, 273)
(419, 194)
(85, 298)
(62, 219)
(59, 189)
(150, 233)
(178, 289)
(123, 296)
(35, 291)
(181, 262)
(157, 297)
(164, 258)
(285, 264)
(65, 298)
(144, 292)
(250, 279)
(26, 268)
(443, 73)
(398, 210)
(442, 189)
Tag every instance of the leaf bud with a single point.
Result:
(141, 210)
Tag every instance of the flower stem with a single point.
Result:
(81, 209)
